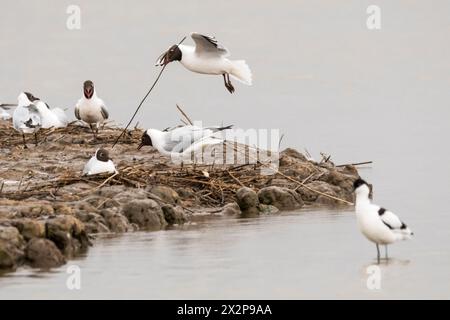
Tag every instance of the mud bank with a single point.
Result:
(50, 213)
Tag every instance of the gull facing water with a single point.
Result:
(377, 224)
(208, 57)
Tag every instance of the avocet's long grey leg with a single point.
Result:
(378, 254)
(386, 252)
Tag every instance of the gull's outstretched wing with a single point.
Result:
(205, 45)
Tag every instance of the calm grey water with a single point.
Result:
(320, 76)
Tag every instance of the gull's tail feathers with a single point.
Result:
(241, 72)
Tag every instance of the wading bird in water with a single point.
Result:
(377, 224)
(208, 57)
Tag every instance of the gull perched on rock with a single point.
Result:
(377, 224)
(26, 118)
(90, 108)
(208, 57)
(181, 139)
(99, 163)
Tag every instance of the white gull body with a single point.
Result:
(55, 117)
(184, 139)
(26, 118)
(95, 166)
(91, 110)
(208, 57)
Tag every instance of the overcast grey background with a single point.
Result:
(320, 76)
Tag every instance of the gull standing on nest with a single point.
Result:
(26, 118)
(90, 108)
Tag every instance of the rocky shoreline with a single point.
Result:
(49, 213)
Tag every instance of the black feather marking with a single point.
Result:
(77, 113)
(388, 226)
(211, 40)
(404, 226)
(381, 211)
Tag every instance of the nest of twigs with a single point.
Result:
(210, 185)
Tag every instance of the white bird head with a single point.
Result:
(26, 98)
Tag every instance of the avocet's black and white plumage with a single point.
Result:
(181, 139)
(26, 118)
(99, 163)
(90, 108)
(377, 224)
(208, 57)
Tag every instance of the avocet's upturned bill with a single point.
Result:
(377, 224)
(26, 118)
(181, 139)
(99, 163)
(208, 57)
(90, 108)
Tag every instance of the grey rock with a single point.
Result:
(174, 215)
(29, 228)
(282, 198)
(12, 247)
(68, 233)
(146, 213)
(248, 202)
(231, 209)
(166, 194)
(117, 222)
(268, 209)
(43, 253)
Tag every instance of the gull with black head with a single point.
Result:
(208, 57)
(182, 138)
(90, 108)
(99, 163)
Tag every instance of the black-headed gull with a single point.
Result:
(50, 118)
(26, 118)
(90, 108)
(99, 163)
(377, 224)
(208, 57)
(181, 139)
